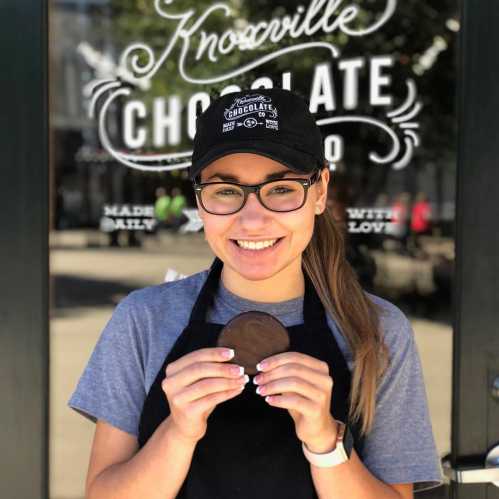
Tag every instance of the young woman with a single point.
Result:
(342, 413)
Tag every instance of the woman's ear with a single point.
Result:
(322, 185)
(200, 209)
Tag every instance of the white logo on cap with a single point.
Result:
(256, 109)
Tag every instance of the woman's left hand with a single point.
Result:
(302, 385)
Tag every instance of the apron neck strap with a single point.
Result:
(207, 294)
(313, 310)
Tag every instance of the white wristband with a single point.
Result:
(337, 456)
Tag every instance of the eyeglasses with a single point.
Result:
(227, 198)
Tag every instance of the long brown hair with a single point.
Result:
(357, 316)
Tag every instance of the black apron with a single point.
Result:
(250, 449)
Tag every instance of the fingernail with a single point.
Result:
(260, 366)
(239, 370)
(228, 354)
(246, 378)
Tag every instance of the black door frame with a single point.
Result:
(24, 262)
(476, 297)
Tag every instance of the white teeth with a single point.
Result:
(252, 245)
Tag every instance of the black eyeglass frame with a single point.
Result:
(248, 189)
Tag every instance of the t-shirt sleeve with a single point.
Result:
(401, 446)
(111, 387)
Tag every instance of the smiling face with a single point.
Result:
(292, 230)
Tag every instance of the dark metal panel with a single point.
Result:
(24, 341)
(442, 492)
(475, 416)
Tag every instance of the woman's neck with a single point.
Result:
(287, 284)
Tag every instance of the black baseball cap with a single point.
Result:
(272, 122)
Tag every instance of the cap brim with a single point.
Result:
(300, 162)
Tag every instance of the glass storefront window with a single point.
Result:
(127, 82)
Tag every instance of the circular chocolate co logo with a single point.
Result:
(250, 122)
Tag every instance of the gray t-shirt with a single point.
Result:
(145, 324)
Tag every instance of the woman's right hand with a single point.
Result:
(194, 385)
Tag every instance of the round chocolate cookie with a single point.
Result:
(253, 336)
